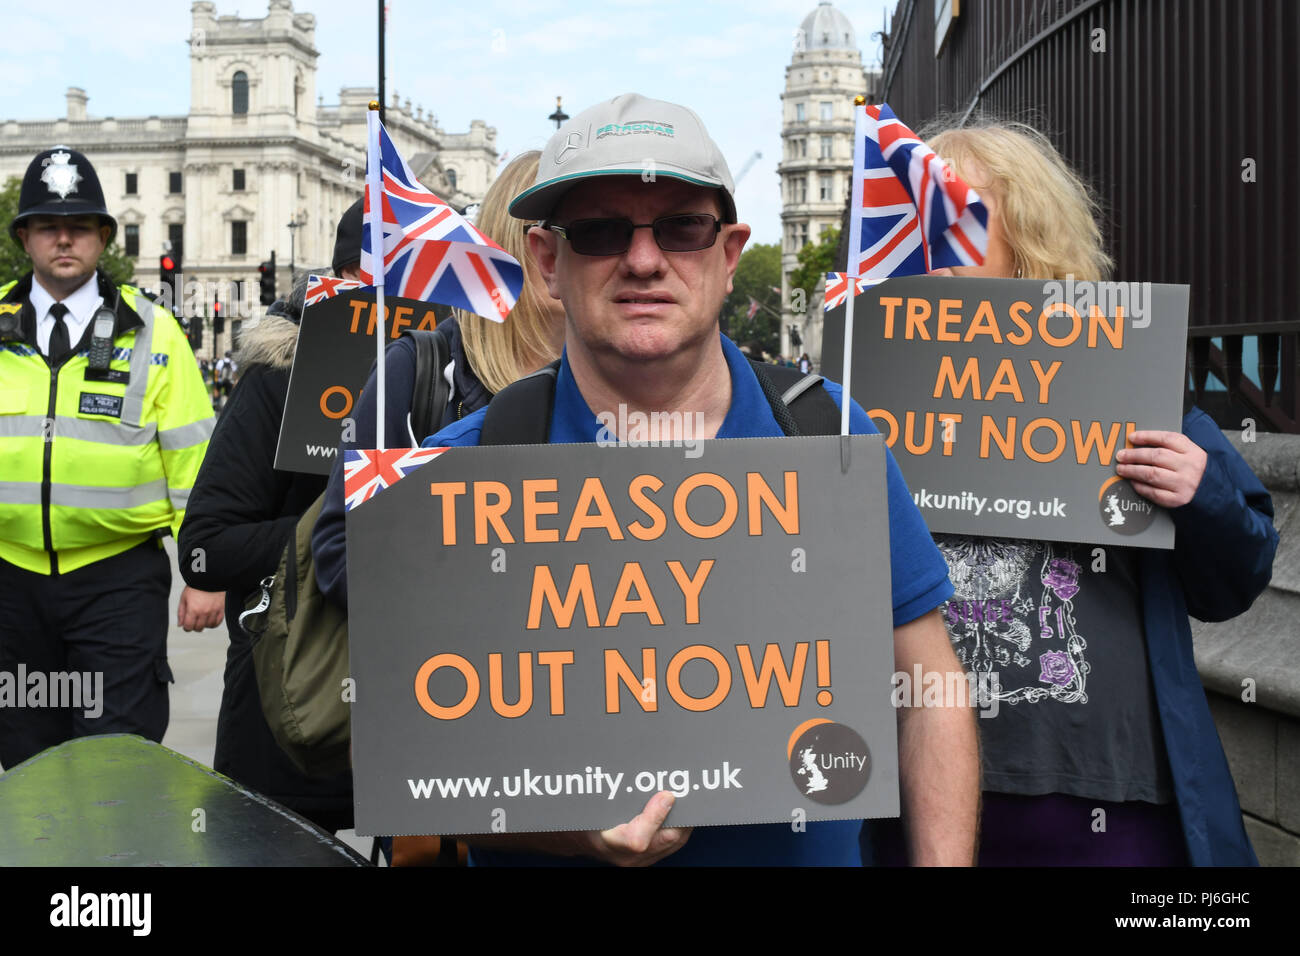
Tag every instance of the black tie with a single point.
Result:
(59, 344)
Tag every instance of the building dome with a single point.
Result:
(827, 29)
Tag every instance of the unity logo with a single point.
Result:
(1122, 509)
(829, 762)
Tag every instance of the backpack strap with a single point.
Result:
(799, 405)
(520, 414)
(430, 393)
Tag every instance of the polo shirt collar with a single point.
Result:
(749, 416)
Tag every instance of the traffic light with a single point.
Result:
(267, 280)
(218, 320)
(168, 265)
(196, 333)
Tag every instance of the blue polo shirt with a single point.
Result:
(920, 584)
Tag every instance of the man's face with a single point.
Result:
(644, 304)
(64, 249)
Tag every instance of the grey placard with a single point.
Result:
(335, 352)
(412, 598)
(1125, 365)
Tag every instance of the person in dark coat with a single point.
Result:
(241, 515)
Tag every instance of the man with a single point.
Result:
(104, 419)
(639, 240)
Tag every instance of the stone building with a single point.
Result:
(257, 151)
(824, 75)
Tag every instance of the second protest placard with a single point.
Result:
(1005, 400)
(542, 637)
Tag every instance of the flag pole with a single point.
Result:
(375, 198)
(854, 253)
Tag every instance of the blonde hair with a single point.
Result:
(1048, 214)
(501, 352)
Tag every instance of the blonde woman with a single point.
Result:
(1101, 749)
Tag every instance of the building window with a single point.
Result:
(799, 116)
(451, 178)
(803, 147)
(239, 93)
(801, 235)
(801, 189)
(828, 113)
(238, 181)
(827, 147)
(132, 240)
(132, 184)
(176, 236)
(238, 238)
(826, 188)
(173, 182)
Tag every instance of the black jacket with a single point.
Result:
(241, 514)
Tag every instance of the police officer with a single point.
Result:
(104, 420)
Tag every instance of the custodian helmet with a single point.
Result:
(61, 182)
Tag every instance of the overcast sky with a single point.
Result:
(502, 61)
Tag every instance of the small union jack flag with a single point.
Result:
(366, 472)
(430, 252)
(916, 213)
(837, 288)
(320, 288)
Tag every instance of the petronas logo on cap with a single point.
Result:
(60, 175)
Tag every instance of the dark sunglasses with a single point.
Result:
(688, 232)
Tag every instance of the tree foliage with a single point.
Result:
(815, 260)
(757, 275)
(15, 263)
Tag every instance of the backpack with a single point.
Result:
(300, 639)
(301, 652)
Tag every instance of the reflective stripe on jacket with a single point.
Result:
(93, 462)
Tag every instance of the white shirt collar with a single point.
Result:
(82, 305)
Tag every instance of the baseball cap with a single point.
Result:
(630, 135)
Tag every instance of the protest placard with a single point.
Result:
(335, 352)
(1004, 401)
(542, 637)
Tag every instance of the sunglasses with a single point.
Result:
(689, 232)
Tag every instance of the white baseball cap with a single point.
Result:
(629, 135)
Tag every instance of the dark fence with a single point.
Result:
(1184, 115)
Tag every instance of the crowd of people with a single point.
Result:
(625, 275)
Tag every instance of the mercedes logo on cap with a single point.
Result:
(573, 141)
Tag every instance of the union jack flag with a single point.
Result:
(837, 288)
(320, 288)
(366, 472)
(430, 252)
(916, 213)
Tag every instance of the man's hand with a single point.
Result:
(200, 609)
(639, 842)
(642, 840)
(1167, 472)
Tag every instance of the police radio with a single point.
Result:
(101, 338)
(10, 321)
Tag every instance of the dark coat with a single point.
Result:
(242, 513)
(1222, 560)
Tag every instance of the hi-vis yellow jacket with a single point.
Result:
(93, 461)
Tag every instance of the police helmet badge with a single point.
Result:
(60, 175)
